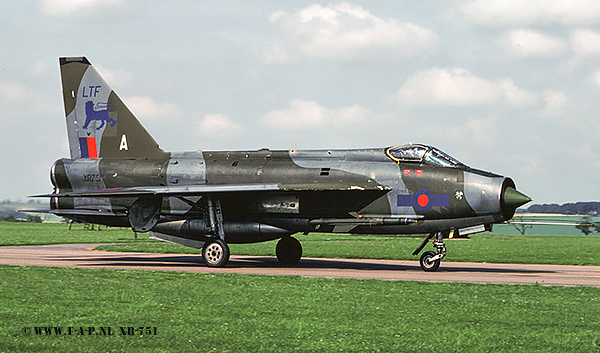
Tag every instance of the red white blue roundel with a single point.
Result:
(422, 200)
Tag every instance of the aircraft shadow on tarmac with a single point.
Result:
(171, 262)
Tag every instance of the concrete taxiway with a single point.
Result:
(83, 256)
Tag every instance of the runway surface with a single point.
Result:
(83, 256)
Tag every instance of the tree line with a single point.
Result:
(591, 208)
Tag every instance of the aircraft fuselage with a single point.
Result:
(328, 185)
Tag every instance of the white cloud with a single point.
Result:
(458, 87)
(147, 108)
(25, 106)
(532, 12)
(39, 67)
(348, 32)
(15, 92)
(555, 102)
(586, 44)
(84, 8)
(596, 77)
(114, 78)
(515, 96)
(309, 114)
(275, 54)
(555, 99)
(275, 15)
(216, 125)
(529, 43)
(482, 132)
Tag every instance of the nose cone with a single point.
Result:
(514, 199)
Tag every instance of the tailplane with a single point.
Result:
(99, 125)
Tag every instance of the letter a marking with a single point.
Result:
(123, 145)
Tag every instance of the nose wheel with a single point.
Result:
(430, 260)
(426, 262)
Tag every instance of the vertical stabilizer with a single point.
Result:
(99, 125)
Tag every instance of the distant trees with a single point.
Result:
(588, 209)
(586, 226)
(9, 218)
(520, 227)
(34, 219)
(578, 208)
(29, 219)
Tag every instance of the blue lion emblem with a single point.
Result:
(98, 115)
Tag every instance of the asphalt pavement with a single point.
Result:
(83, 256)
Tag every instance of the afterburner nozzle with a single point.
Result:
(514, 199)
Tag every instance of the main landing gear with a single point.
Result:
(430, 261)
(215, 253)
(288, 251)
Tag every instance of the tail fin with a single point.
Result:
(99, 125)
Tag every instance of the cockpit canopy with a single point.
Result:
(422, 154)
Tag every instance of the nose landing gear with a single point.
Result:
(430, 261)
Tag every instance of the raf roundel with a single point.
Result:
(423, 200)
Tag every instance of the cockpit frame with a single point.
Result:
(422, 154)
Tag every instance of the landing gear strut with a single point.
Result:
(430, 261)
(288, 251)
(215, 251)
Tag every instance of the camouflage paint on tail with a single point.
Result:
(99, 125)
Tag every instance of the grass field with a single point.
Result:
(59, 233)
(102, 310)
(240, 313)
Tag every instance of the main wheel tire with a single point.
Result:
(426, 264)
(215, 253)
(289, 251)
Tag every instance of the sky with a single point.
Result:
(511, 87)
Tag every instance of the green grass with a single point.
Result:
(480, 248)
(59, 233)
(242, 313)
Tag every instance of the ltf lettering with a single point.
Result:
(92, 91)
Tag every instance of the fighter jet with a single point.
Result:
(119, 176)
